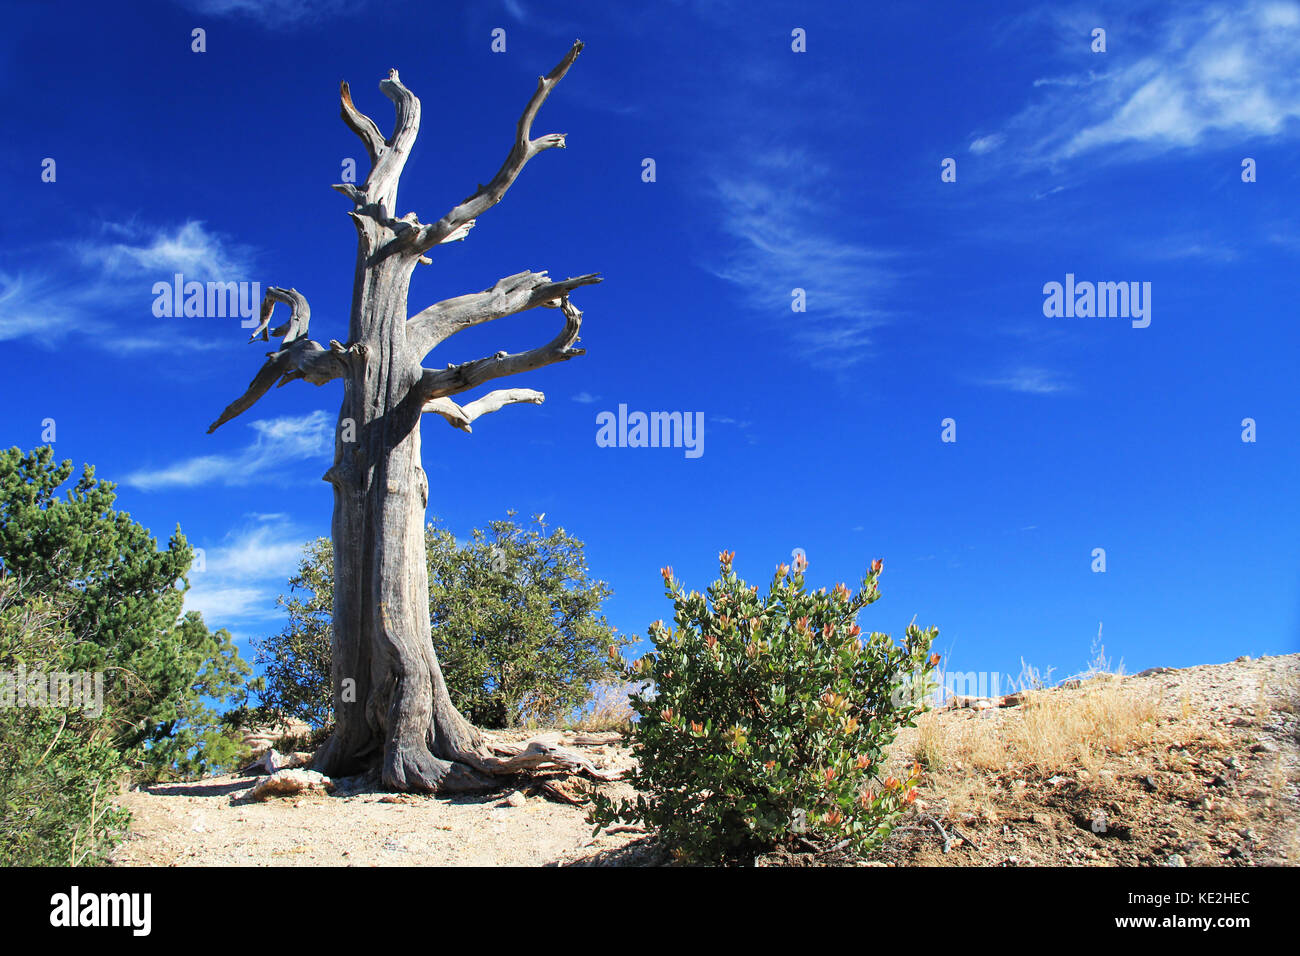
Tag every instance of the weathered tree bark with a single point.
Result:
(391, 704)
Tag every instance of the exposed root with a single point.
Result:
(416, 770)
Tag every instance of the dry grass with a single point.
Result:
(1059, 730)
(608, 709)
(1053, 731)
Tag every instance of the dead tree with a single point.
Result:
(391, 705)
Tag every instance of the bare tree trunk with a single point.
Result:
(391, 705)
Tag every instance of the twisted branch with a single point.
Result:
(461, 378)
(298, 356)
(513, 294)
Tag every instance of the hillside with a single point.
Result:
(1196, 766)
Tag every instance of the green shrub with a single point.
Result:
(295, 663)
(516, 620)
(122, 598)
(58, 767)
(765, 717)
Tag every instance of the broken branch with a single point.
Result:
(298, 356)
(459, 416)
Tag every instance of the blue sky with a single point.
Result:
(775, 170)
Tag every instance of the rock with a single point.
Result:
(273, 761)
(1175, 860)
(1151, 671)
(288, 782)
(1150, 783)
(516, 799)
(1016, 699)
(1263, 747)
(1057, 780)
(1042, 819)
(1242, 659)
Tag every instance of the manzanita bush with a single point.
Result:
(764, 717)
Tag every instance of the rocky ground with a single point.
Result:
(1191, 767)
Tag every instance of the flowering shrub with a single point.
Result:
(765, 717)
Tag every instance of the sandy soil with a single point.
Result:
(1218, 783)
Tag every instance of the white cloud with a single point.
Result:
(33, 306)
(243, 576)
(272, 12)
(279, 441)
(727, 420)
(986, 144)
(586, 398)
(1212, 75)
(1030, 380)
(191, 249)
(780, 241)
(218, 604)
(101, 280)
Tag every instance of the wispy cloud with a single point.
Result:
(586, 398)
(35, 306)
(191, 249)
(273, 12)
(1210, 73)
(242, 577)
(782, 240)
(1188, 246)
(727, 420)
(102, 280)
(986, 144)
(279, 441)
(1029, 380)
